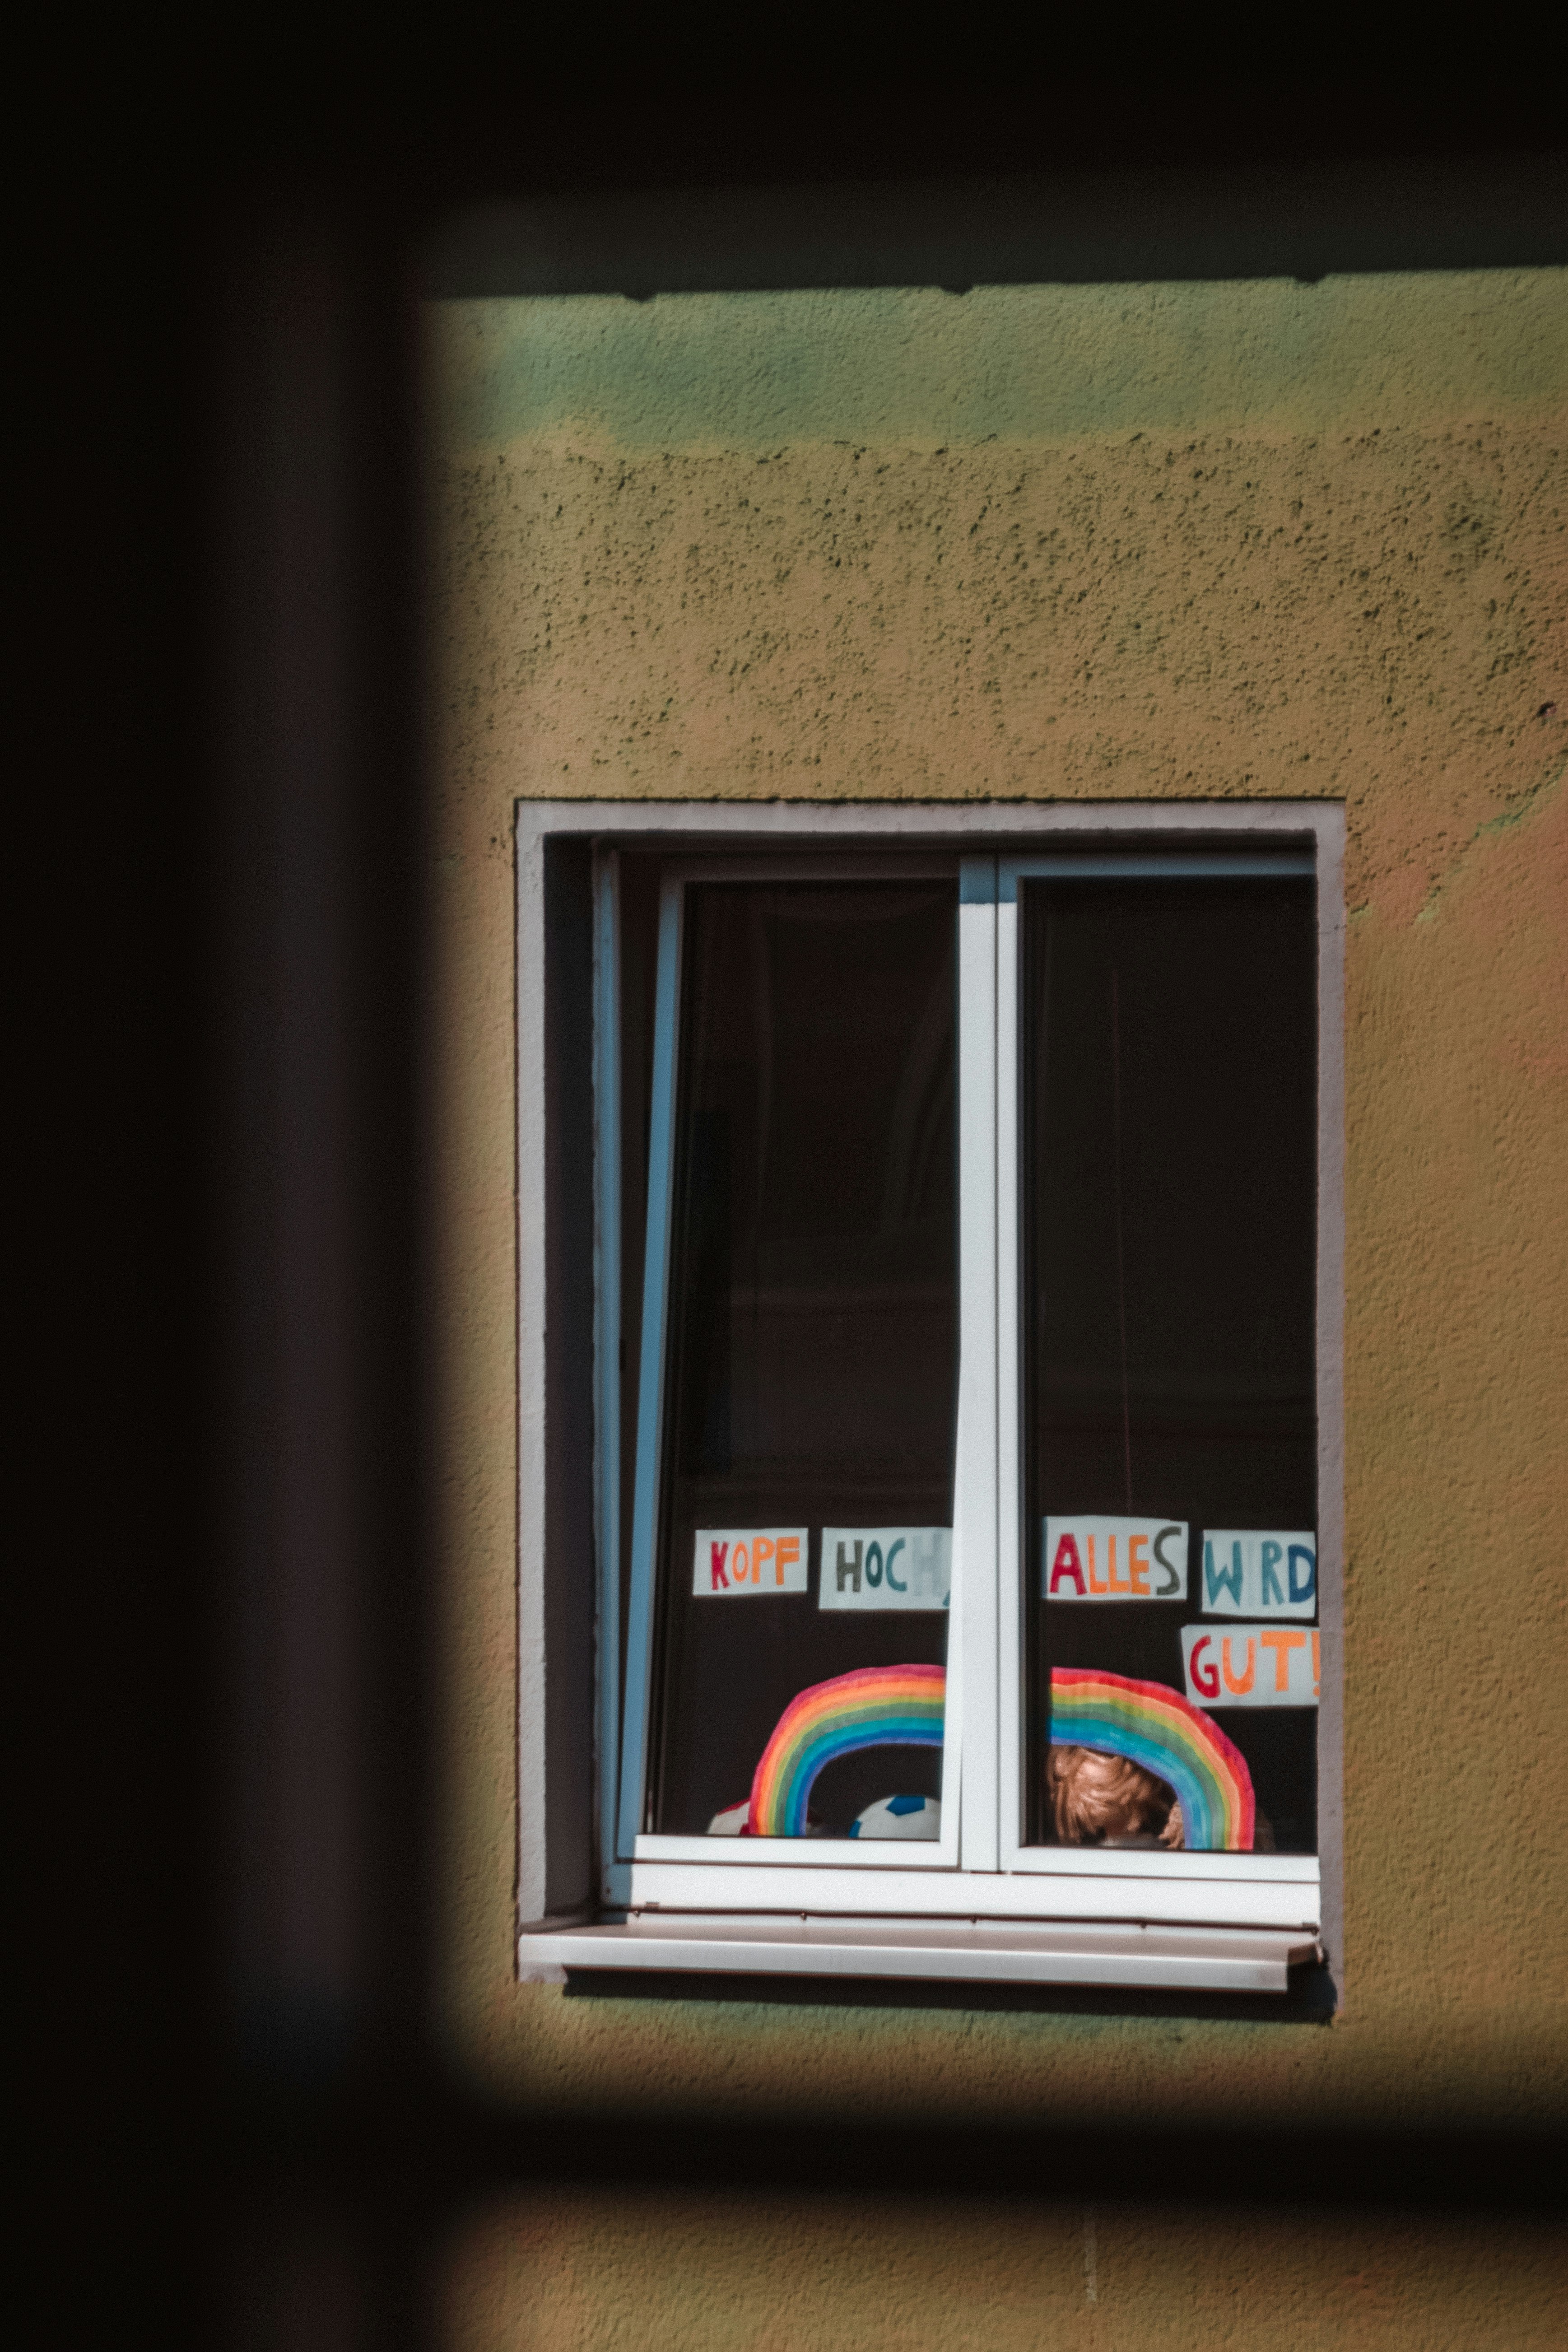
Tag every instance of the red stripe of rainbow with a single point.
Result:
(1157, 1727)
(875, 1706)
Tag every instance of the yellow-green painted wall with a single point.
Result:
(1136, 543)
(597, 2273)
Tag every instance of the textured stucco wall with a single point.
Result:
(563, 2272)
(1206, 541)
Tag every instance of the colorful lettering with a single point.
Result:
(1226, 1579)
(1218, 1673)
(1231, 1681)
(1205, 1676)
(1282, 1642)
(1246, 1573)
(1107, 1556)
(1067, 1563)
(1172, 1573)
(732, 1562)
(885, 1568)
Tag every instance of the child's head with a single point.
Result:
(1094, 1798)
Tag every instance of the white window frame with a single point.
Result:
(623, 1770)
(1239, 865)
(980, 1871)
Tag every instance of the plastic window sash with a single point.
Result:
(1217, 1896)
(631, 1843)
(1014, 1856)
(1152, 866)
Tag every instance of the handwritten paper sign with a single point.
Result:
(1254, 1572)
(1251, 1666)
(751, 1559)
(886, 1568)
(1115, 1560)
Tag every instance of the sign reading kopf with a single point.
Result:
(741, 1561)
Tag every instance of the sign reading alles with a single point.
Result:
(1251, 1666)
(1115, 1560)
(886, 1568)
(1254, 1572)
(751, 1559)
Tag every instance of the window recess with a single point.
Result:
(958, 1379)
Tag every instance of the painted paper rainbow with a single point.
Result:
(875, 1706)
(1157, 1727)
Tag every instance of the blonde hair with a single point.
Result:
(1093, 1796)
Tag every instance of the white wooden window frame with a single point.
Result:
(980, 1870)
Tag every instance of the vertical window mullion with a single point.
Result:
(1010, 1544)
(973, 1674)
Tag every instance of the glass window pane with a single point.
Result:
(811, 1379)
(1169, 1063)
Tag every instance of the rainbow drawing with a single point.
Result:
(875, 1706)
(1157, 1727)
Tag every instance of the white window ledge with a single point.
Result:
(988, 1952)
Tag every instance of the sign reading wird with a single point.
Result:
(1258, 1572)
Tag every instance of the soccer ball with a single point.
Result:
(900, 1817)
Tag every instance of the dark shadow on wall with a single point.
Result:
(1157, 221)
(1073, 2152)
(1310, 1999)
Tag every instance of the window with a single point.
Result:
(964, 1509)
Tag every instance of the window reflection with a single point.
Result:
(805, 1542)
(1168, 1123)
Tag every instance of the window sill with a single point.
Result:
(995, 1951)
